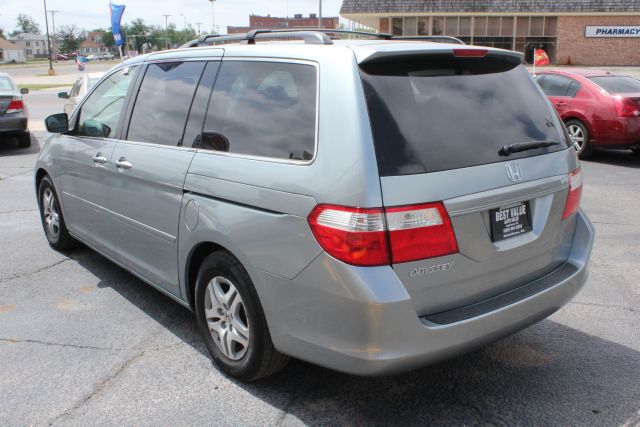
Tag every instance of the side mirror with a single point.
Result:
(57, 123)
(63, 95)
(24, 90)
(95, 129)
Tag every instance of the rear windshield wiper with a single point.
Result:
(506, 150)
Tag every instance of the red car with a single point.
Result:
(599, 108)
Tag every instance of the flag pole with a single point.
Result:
(120, 49)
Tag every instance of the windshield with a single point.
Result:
(617, 84)
(5, 83)
(92, 82)
(446, 113)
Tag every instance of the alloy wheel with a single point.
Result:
(51, 213)
(577, 136)
(226, 318)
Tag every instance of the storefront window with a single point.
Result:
(410, 26)
(423, 26)
(507, 26)
(451, 26)
(523, 26)
(537, 26)
(480, 26)
(550, 26)
(437, 26)
(397, 26)
(493, 26)
(465, 26)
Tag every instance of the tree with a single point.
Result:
(2, 33)
(107, 38)
(137, 31)
(26, 24)
(70, 37)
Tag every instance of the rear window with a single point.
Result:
(447, 113)
(617, 84)
(5, 83)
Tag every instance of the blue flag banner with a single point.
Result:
(116, 11)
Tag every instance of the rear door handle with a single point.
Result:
(99, 159)
(562, 104)
(122, 163)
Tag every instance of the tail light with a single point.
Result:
(575, 193)
(368, 237)
(16, 105)
(626, 107)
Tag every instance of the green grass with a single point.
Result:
(43, 86)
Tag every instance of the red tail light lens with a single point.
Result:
(626, 107)
(470, 53)
(419, 232)
(359, 236)
(353, 235)
(16, 105)
(575, 193)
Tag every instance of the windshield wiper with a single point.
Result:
(506, 150)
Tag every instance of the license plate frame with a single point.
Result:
(510, 221)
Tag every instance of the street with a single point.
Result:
(84, 342)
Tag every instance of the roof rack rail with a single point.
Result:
(310, 36)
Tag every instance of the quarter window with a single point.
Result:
(263, 109)
(100, 114)
(554, 85)
(163, 102)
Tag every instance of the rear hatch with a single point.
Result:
(467, 138)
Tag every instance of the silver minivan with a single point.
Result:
(368, 205)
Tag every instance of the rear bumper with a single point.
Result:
(362, 321)
(12, 123)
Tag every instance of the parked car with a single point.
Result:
(105, 57)
(80, 88)
(13, 112)
(370, 206)
(600, 109)
(61, 57)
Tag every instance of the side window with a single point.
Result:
(554, 85)
(100, 113)
(75, 90)
(263, 109)
(162, 105)
(574, 88)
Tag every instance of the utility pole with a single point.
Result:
(53, 25)
(166, 30)
(185, 27)
(198, 24)
(51, 71)
(320, 14)
(213, 19)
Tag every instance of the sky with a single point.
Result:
(89, 14)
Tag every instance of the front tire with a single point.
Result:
(580, 137)
(232, 321)
(55, 228)
(24, 140)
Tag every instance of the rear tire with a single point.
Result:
(232, 321)
(580, 137)
(55, 229)
(24, 140)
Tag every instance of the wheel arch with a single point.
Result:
(582, 120)
(196, 256)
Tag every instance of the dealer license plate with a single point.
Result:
(510, 221)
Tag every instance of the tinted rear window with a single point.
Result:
(617, 84)
(446, 113)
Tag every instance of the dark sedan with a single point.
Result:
(13, 113)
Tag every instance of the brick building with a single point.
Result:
(580, 32)
(298, 21)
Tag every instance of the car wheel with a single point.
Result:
(232, 321)
(580, 137)
(51, 215)
(24, 140)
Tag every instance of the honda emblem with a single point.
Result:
(513, 172)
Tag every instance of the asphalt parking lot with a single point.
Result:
(84, 342)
